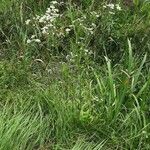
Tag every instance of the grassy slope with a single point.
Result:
(50, 102)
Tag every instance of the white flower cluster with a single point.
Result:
(51, 25)
(27, 21)
(81, 22)
(112, 7)
(46, 22)
(94, 13)
(90, 29)
(33, 40)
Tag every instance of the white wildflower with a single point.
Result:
(144, 132)
(118, 7)
(61, 3)
(86, 50)
(37, 17)
(49, 25)
(56, 15)
(84, 16)
(27, 21)
(42, 19)
(60, 34)
(46, 22)
(90, 53)
(67, 29)
(112, 13)
(110, 6)
(94, 25)
(29, 41)
(91, 32)
(48, 18)
(54, 2)
(33, 36)
(48, 10)
(52, 7)
(56, 10)
(45, 28)
(44, 31)
(97, 15)
(37, 40)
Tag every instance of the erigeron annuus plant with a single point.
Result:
(55, 29)
(112, 15)
(112, 8)
(47, 21)
(45, 25)
(84, 25)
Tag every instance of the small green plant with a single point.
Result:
(74, 75)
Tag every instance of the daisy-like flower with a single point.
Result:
(48, 10)
(29, 41)
(118, 7)
(45, 28)
(54, 2)
(45, 32)
(27, 21)
(49, 25)
(55, 10)
(52, 7)
(42, 19)
(110, 6)
(97, 16)
(37, 40)
(37, 17)
(33, 36)
(112, 13)
(68, 30)
(94, 25)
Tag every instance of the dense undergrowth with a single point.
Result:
(74, 75)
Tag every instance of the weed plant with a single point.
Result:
(74, 75)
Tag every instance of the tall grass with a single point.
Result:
(85, 90)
